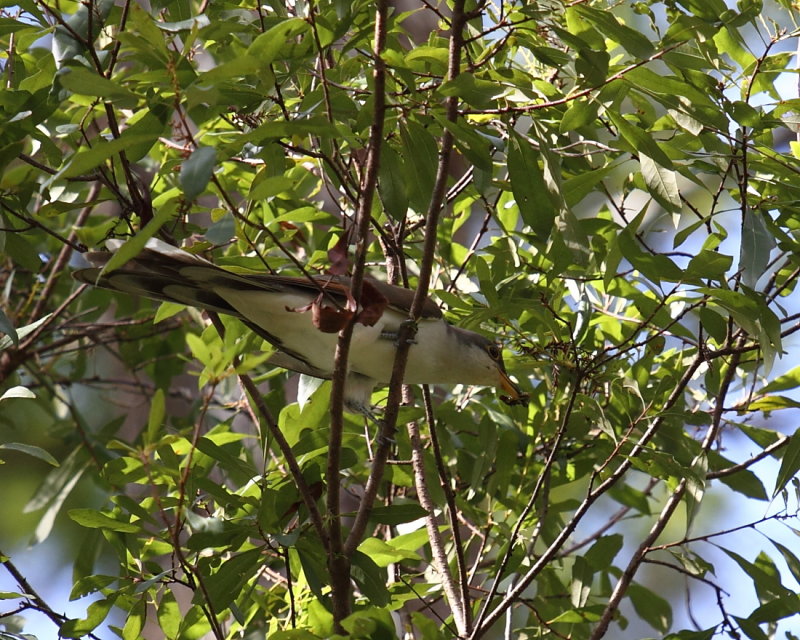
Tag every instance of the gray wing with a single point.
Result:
(178, 276)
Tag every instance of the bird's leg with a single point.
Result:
(395, 335)
(374, 418)
(383, 440)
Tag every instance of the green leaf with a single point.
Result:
(773, 403)
(397, 513)
(293, 634)
(7, 327)
(169, 615)
(743, 481)
(661, 182)
(790, 463)
(475, 148)
(312, 564)
(413, 540)
(371, 579)
(763, 574)
(283, 129)
(227, 461)
(277, 40)
(83, 161)
(792, 561)
(751, 313)
(634, 42)
(710, 265)
(425, 52)
(31, 450)
(370, 624)
(155, 420)
(96, 612)
(579, 114)
(81, 81)
(383, 554)
(777, 609)
(751, 629)
(225, 585)
(744, 114)
(96, 520)
(653, 609)
(639, 140)
(581, 583)
(481, 94)
(195, 22)
(757, 244)
(238, 67)
(602, 553)
(528, 184)
(134, 623)
(581, 185)
(789, 380)
(196, 171)
(653, 266)
(6, 341)
(53, 491)
(706, 634)
(391, 186)
(264, 187)
(421, 157)
(695, 488)
(428, 628)
(150, 124)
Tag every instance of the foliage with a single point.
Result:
(607, 187)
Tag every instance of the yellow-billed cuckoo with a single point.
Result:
(299, 316)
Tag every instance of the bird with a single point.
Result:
(300, 317)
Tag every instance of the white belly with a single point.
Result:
(372, 352)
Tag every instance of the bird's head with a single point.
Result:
(486, 357)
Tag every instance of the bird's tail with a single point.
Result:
(161, 272)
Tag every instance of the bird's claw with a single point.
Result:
(395, 335)
(386, 441)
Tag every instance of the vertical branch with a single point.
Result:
(339, 554)
(406, 331)
(444, 479)
(459, 597)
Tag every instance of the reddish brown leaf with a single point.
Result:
(329, 319)
(340, 263)
(373, 303)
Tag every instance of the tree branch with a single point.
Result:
(339, 553)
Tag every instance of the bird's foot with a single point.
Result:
(395, 335)
(366, 410)
(384, 440)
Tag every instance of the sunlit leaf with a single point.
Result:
(790, 463)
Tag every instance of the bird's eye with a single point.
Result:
(494, 352)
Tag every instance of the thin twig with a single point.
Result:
(444, 481)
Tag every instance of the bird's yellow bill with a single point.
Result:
(515, 394)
